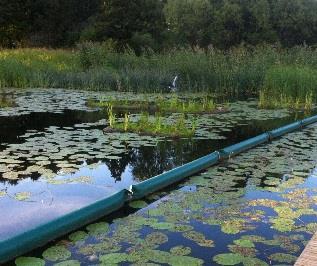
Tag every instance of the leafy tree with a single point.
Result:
(189, 21)
(295, 21)
(14, 16)
(132, 23)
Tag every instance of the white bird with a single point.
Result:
(172, 86)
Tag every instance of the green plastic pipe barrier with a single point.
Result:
(41, 235)
(243, 146)
(286, 129)
(173, 176)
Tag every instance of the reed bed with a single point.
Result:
(237, 72)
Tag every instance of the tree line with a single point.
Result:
(157, 24)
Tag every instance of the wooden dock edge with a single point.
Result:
(309, 254)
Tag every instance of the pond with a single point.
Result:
(54, 158)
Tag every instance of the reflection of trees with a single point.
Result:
(151, 161)
(117, 167)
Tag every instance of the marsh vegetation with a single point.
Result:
(161, 103)
(264, 71)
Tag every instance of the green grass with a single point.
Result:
(291, 87)
(237, 72)
(161, 104)
(146, 125)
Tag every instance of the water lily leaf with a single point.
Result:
(113, 258)
(180, 250)
(283, 257)
(29, 261)
(253, 261)
(228, 259)
(244, 243)
(98, 228)
(138, 204)
(68, 263)
(56, 253)
(78, 236)
(283, 224)
(198, 238)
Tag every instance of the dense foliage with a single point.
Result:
(158, 24)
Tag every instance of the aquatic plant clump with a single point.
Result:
(286, 86)
(148, 126)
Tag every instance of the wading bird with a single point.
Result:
(172, 86)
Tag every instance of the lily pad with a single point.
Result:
(283, 257)
(180, 250)
(78, 236)
(29, 261)
(98, 228)
(228, 259)
(138, 204)
(56, 253)
(68, 263)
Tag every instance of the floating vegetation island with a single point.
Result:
(146, 125)
(162, 104)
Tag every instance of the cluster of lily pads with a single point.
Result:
(259, 208)
(63, 150)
